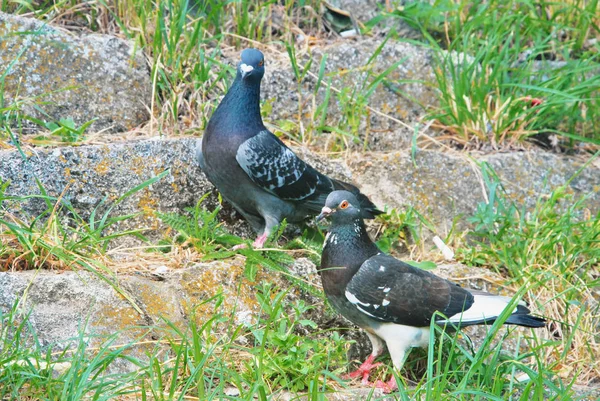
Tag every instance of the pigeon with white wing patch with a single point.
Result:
(253, 169)
(392, 301)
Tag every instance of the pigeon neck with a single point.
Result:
(239, 111)
(347, 246)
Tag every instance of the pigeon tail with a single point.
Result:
(368, 208)
(522, 317)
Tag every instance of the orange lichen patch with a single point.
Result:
(103, 167)
(220, 280)
(147, 204)
(117, 317)
(124, 320)
(111, 319)
(138, 164)
(155, 304)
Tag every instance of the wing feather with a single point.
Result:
(276, 169)
(390, 290)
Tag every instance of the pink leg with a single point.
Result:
(364, 370)
(258, 243)
(260, 240)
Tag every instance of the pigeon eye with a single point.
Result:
(260, 63)
(344, 205)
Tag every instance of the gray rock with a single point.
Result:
(86, 175)
(79, 77)
(65, 305)
(404, 94)
(71, 305)
(366, 10)
(443, 186)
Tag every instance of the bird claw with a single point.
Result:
(388, 386)
(363, 370)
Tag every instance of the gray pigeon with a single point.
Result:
(393, 301)
(253, 169)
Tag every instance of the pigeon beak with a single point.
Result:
(324, 213)
(245, 69)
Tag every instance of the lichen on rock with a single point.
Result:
(68, 76)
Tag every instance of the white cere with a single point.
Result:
(246, 68)
(386, 290)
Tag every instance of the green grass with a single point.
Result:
(210, 357)
(550, 255)
(491, 97)
(553, 251)
(520, 51)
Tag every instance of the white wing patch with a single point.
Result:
(355, 301)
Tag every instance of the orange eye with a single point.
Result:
(344, 204)
(260, 63)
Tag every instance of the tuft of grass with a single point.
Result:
(553, 251)
(509, 70)
(60, 237)
(398, 228)
(32, 371)
(200, 229)
(210, 359)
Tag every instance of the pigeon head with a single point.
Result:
(340, 207)
(252, 65)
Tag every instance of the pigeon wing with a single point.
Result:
(390, 290)
(275, 168)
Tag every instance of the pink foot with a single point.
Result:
(363, 370)
(260, 241)
(388, 386)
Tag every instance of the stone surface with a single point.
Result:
(443, 186)
(88, 174)
(79, 77)
(63, 305)
(403, 94)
